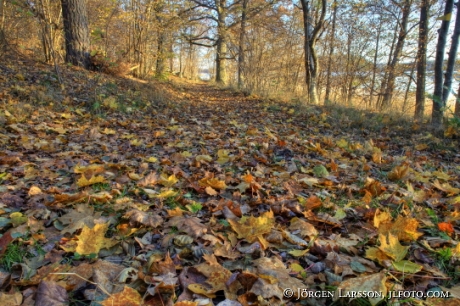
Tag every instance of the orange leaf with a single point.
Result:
(128, 297)
(248, 178)
(211, 191)
(281, 143)
(367, 197)
(313, 202)
(446, 227)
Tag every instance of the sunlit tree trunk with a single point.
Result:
(374, 65)
(421, 61)
(409, 84)
(447, 87)
(331, 52)
(438, 106)
(385, 77)
(241, 44)
(221, 44)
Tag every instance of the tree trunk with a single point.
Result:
(160, 69)
(438, 106)
(221, 44)
(311, 35)
(374, 65)
(385, 76)
(388, 94)
(171, 57)
(2, 27)
(331, 52)
(451, 60)
(76, 32)
(241, 44)
(409, 84)
(421, 61)
(348, 75)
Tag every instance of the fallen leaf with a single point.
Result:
(90, 241)
(50, 293)
(407, 266)
(140, 217)
(127, 297)
(446, 227)
(370, 283)
(390, 246)
(251, 228)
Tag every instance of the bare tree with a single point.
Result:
(390, 83)
(313, 24)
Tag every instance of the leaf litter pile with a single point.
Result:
(220, 199)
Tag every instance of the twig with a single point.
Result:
(81, 277)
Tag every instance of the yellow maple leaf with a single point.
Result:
(136, 142)
(134, 176)
(250, 228)
(151, 159)
(108, 131)
(200, 289)
(90, 241)
(342, 143)
(398, 172)
(299, 253)
(377, 155)
(205, 158)
(59, 130)
(442, 175)
(270, 134)
(83, 181)
(94, 168)
(186, 154)
(381, 217)
(446, 187)
(223, 156)
(167, 181)
(418, 196)
(377, 255)
(407, 266)
(405, 229)
(456, 251)
(390, 246)
(212, 182)
(166, 194)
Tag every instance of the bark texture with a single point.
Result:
(76, 32)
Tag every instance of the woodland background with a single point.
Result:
(371, 54)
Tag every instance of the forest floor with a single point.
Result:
(118, 191)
